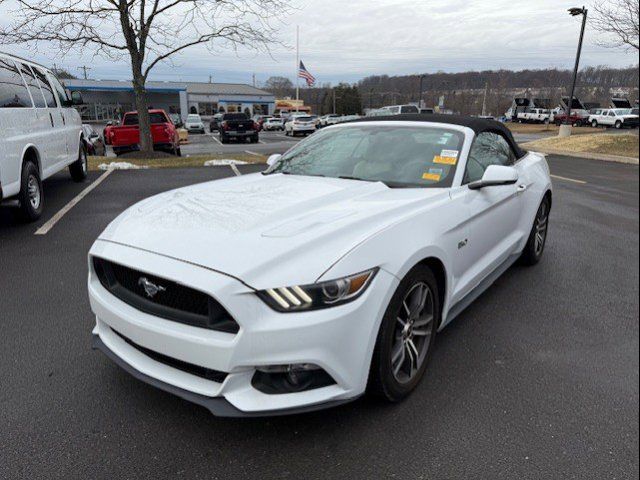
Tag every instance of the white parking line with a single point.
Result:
(252, 153)
(581, 182)
(215, 139)
(235, 170)
(44, 229)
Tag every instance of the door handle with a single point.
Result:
(522, 188)
(51, 118)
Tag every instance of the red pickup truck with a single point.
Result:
(125, 137)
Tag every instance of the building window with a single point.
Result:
(208, 108)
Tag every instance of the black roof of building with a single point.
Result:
(478, 125)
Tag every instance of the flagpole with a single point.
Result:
(297, 65)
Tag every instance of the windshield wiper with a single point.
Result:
(349, 177)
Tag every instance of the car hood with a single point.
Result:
(266, 230)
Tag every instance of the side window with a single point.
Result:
(46, 88)
(32, 84)
(488, 149)
(13, 91)
(60, 91)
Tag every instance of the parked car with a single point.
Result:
(194, 123)
(40, 133)
(332, 120)
(428, 111)
(326, 276)
(125, 138)
(238, 126)
(93, 142)
(324, 120)
(576, 119)
(614, 117)
(299, 125)
(535, 115)
(400, 109)
(214, 124)
(273, 124)
(260, 119)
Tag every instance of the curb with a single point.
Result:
(591, 156)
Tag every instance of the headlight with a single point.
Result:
(318, 295)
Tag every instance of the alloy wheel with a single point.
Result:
(414, 328)
(542, 223)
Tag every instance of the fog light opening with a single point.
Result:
(293, 378)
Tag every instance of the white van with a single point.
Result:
(40, 133)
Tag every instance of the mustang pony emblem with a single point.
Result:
(150, 288)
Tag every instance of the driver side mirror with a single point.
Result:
(273, 159)
(496, 175)
(76, 98)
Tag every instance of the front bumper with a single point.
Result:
(340, 340)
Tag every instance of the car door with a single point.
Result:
(70, 118)
(18, 126)
(42, 124)
(608, 118)
(59, 132)
(494, 213)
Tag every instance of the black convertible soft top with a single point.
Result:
(478, 125)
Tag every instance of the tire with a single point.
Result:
(80, 167)
(223, 139)
(577, 123)
(534, 249)
(178, 152)
(546, 121)
(388, 377)
(31, 194)
(594, 124)
(618, 125)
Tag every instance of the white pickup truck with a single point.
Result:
(535, 115)
(614, 117)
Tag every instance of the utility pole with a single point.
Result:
(484, 100)
(421, 90)
(574, 12)
(254, 80)
(210, 78)
(84, 69)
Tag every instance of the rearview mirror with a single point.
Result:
(273, 159)
(496, 175)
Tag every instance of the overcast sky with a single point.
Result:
(345, 40)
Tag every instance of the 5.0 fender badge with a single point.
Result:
(463, 243)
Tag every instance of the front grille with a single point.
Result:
(171, 301)
(198, 371)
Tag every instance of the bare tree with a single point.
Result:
(619, 20)
(146, 32)
(279, 86)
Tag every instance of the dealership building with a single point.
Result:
(107, 99)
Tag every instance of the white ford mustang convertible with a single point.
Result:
(324, 277)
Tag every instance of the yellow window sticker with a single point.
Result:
(447, 157)
(435, 177)
(439, 159)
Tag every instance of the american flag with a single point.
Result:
(304, 73)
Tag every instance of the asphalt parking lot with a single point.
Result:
(537, 379)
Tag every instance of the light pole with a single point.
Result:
(574, 12)
(422, 77)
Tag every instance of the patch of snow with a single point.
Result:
(215, 163)
(120, 166)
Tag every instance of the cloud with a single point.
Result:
(344, 40)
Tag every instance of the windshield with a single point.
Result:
(193, 118)
(622, 111)
(155, 117)
(399, 156)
